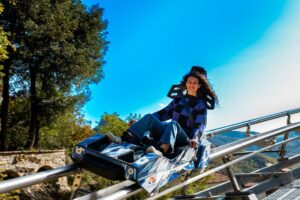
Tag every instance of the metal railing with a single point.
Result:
(40, 177)
(131, 189)
(219, 152)
(228, 164)
(245, 142)
(248, 123)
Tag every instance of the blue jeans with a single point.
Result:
(170, 133)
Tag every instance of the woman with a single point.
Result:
(210, 96)
(188, 119)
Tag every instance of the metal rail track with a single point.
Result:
(40, 177)
(129, 188)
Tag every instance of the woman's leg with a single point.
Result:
(172, 135)
(148, 123)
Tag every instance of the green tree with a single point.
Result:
(111, 123)
(17, 122)
(134, 117)
(4, 42)
(60, 52)
(6, 48)
(67, 130)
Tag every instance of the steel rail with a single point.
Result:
(131, 190)
(40, 177)
(120, 194)
(243, 143)
(211, 133)
(28, 180)
(112, 191)
(279, 180)
(227, 186)
(195, 178)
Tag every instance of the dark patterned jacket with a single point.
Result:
(176, 111)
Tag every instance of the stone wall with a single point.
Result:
(19, 163)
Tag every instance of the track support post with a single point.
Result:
(76, 184)
(230, 173)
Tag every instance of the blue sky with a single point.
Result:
(249, 48)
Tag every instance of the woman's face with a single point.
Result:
(192, 85)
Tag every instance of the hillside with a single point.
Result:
(293, 148)
(245, 166)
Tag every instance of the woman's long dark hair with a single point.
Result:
(205, 88)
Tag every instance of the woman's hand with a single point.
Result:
(193, 143)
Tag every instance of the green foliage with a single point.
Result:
(248, 165)
(68, 130)
(134, 117)
(60, 51)
(254, 163)
(94, 182)
(66, 41)
(196, 186)
(4, 42)
(12, 195)
(18, 122)
(111, 123)
(190, 189)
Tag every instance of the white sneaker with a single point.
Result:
(151, 149)
(113, 139)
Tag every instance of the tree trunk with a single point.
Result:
(37, 134)
(33, 109)
(5, 103)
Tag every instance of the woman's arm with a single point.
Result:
(199, 120)
(165, 113)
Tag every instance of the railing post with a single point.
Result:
(289, 118)
(248, 130)
(230, 173)
(286, 136)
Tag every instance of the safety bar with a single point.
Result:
(211, 133)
